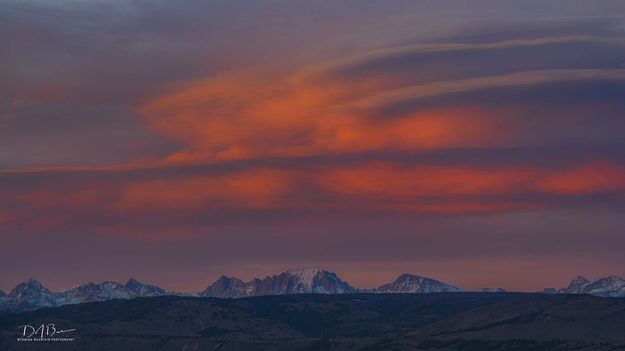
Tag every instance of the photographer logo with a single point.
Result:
(44, 333)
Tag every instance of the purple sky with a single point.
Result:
(479, 143)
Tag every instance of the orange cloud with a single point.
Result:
(237, 117)
(585, 179)
(385, 187)
(433, 188)
(393, 181)
(254, 189)
(317, 111)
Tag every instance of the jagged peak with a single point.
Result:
(227, 277)
(577, 282)
(133, 281)
(110, 284)
(306, 274)
(410, 276)
(30, 283)
(223, 280)
(580, 279)
(611, 278)
(134, 286)
(304, 270)
(91, 285)
(415, 283)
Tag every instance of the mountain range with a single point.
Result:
(611, 286)
(300, 281)
(31, 294)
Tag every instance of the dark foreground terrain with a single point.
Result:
(445, 321)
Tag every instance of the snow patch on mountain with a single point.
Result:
(304, 277)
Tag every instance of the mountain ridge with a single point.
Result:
(31, 294)
(410, 283)
(610, 286)
(297, 281)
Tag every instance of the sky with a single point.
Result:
(480, 143)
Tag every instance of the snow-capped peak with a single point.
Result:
(606, 286)
(137, 288)
(578, 282)
(132, 282)
(304, 271)
(294, 281)
(305, 276)
(28, 287)
(410, 283)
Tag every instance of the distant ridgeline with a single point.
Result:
(31, 294)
